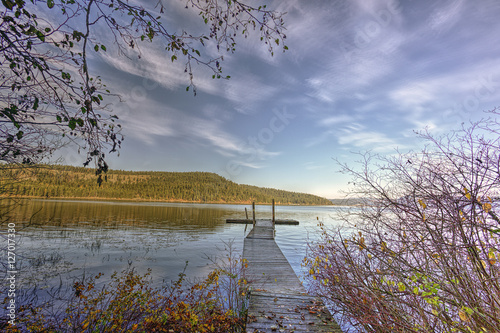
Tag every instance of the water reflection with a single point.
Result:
(65, 239)
(58, 213)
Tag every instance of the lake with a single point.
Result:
(59, 240)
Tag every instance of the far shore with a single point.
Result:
(221, 202)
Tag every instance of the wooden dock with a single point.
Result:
(278, 301)
(253, 220)
(277, 221)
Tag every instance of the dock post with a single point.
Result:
(273, 214)
(253, 212)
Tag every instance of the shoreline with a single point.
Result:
(155, 200)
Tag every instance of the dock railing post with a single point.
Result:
(273, 214)
(253, 213)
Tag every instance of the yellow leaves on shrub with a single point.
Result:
(491, 256)
(362, 243)
(463, 316)
(467, 194)
(436, 257)
(422, 203)
(487, 207)
(383, 246)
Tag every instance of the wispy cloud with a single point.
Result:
(155, 66)
(209, 133)
(361, 74)
(313, 166)
(361, 137)
(445, 17)
(360, 54)
(246, 91)
(335, 120)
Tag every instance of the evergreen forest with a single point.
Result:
(58, 181)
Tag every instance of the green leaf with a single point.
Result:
(40, 35)
(50, 3)
(19, 135)
(36, 103)
(103, 48)
(174, 57)
(58, 118)
(66, 76)
(96, 48)
(72, 123)
(9, 4)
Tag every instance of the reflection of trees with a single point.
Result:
(65, 237)
(118, 215)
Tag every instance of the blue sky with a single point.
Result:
(359, 75)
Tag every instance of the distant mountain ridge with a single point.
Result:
(348, 202)
(58, 181)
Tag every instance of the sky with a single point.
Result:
(358, 76)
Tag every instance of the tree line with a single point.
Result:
(57, 181)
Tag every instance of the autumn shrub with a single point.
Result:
(421, 254)
(129, 303)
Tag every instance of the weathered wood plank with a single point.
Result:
(278, 301)
(277, 313)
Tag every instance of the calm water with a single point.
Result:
(63, 239)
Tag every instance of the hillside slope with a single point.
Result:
(78, 182)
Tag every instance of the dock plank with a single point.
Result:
(278, 300)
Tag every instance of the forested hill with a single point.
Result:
(77, 182)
